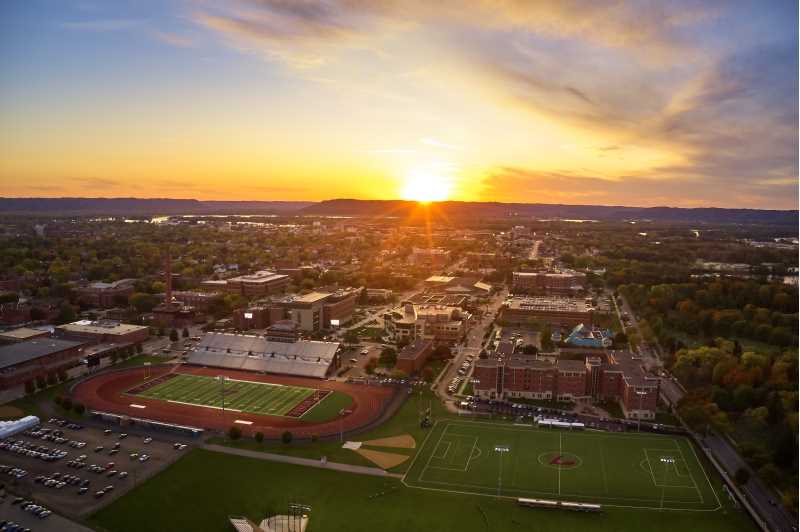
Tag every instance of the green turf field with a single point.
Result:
(625, 470)
(243, 396)
(203, 488)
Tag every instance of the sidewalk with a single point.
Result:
(308, 462)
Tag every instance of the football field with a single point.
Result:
(242, 396)
(626, 469)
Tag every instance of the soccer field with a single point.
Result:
(625, 470)
(243, 396)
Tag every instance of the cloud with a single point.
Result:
(526, 185)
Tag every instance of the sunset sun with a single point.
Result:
(425, 185)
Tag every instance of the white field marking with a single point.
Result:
(243, 422)
(577, 496)
(419, 451)
(315, 405)
(559, 468)
(466, 464)
(689, 471)
(134, 405)
(603, 467)
(699, 463)
(203, 406)
(430, 457)
(405, 480)
(446, 450)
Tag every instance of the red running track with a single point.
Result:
(106, 393)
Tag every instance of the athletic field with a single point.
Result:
(626, 470)
(243, 396)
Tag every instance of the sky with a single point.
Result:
(680, 103)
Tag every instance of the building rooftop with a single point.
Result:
(415, 348)
(262, 276)
(100, 327)
(22, 333)
(549, 303)
(11, 355)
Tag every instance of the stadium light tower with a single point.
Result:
(221, 379)
(500, 449)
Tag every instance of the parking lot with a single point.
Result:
(521, 335)
(74, 470)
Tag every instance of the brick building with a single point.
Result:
(413, 357)
(106, 295)
(25, 361)
(614, 376)
(258, 284)
(557, 311)
(561, 283)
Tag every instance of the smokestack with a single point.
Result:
(168, 293)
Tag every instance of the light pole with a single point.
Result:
(222, 391)
(500, 449)
(666, 460)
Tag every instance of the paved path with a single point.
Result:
(272, 457)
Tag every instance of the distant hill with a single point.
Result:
(458, 209)
(144, 206)
(448, 210)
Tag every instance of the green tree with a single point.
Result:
(259, 437)
(173, 335)
(185, 332)
(741, 476)
(545, 339)
(142, 301)
(286, 437)
(234, 433)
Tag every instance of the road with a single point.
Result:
(534, 254)
(472, 346)
(764, 499)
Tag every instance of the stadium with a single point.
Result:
(245, 381)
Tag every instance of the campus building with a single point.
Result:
(611, 376)
(441, 324)
(557, 311)
(413, 357)
(429, 257)
(201, 301)
(106, 295)
(21, 334)
(25, 361)
(562, 283)
(258, 284)
(104, 331)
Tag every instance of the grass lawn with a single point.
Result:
(203, 488)
(405, 421)
(329, 408)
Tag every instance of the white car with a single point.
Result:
(147, 440)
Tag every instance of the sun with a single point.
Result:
(426, 185)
